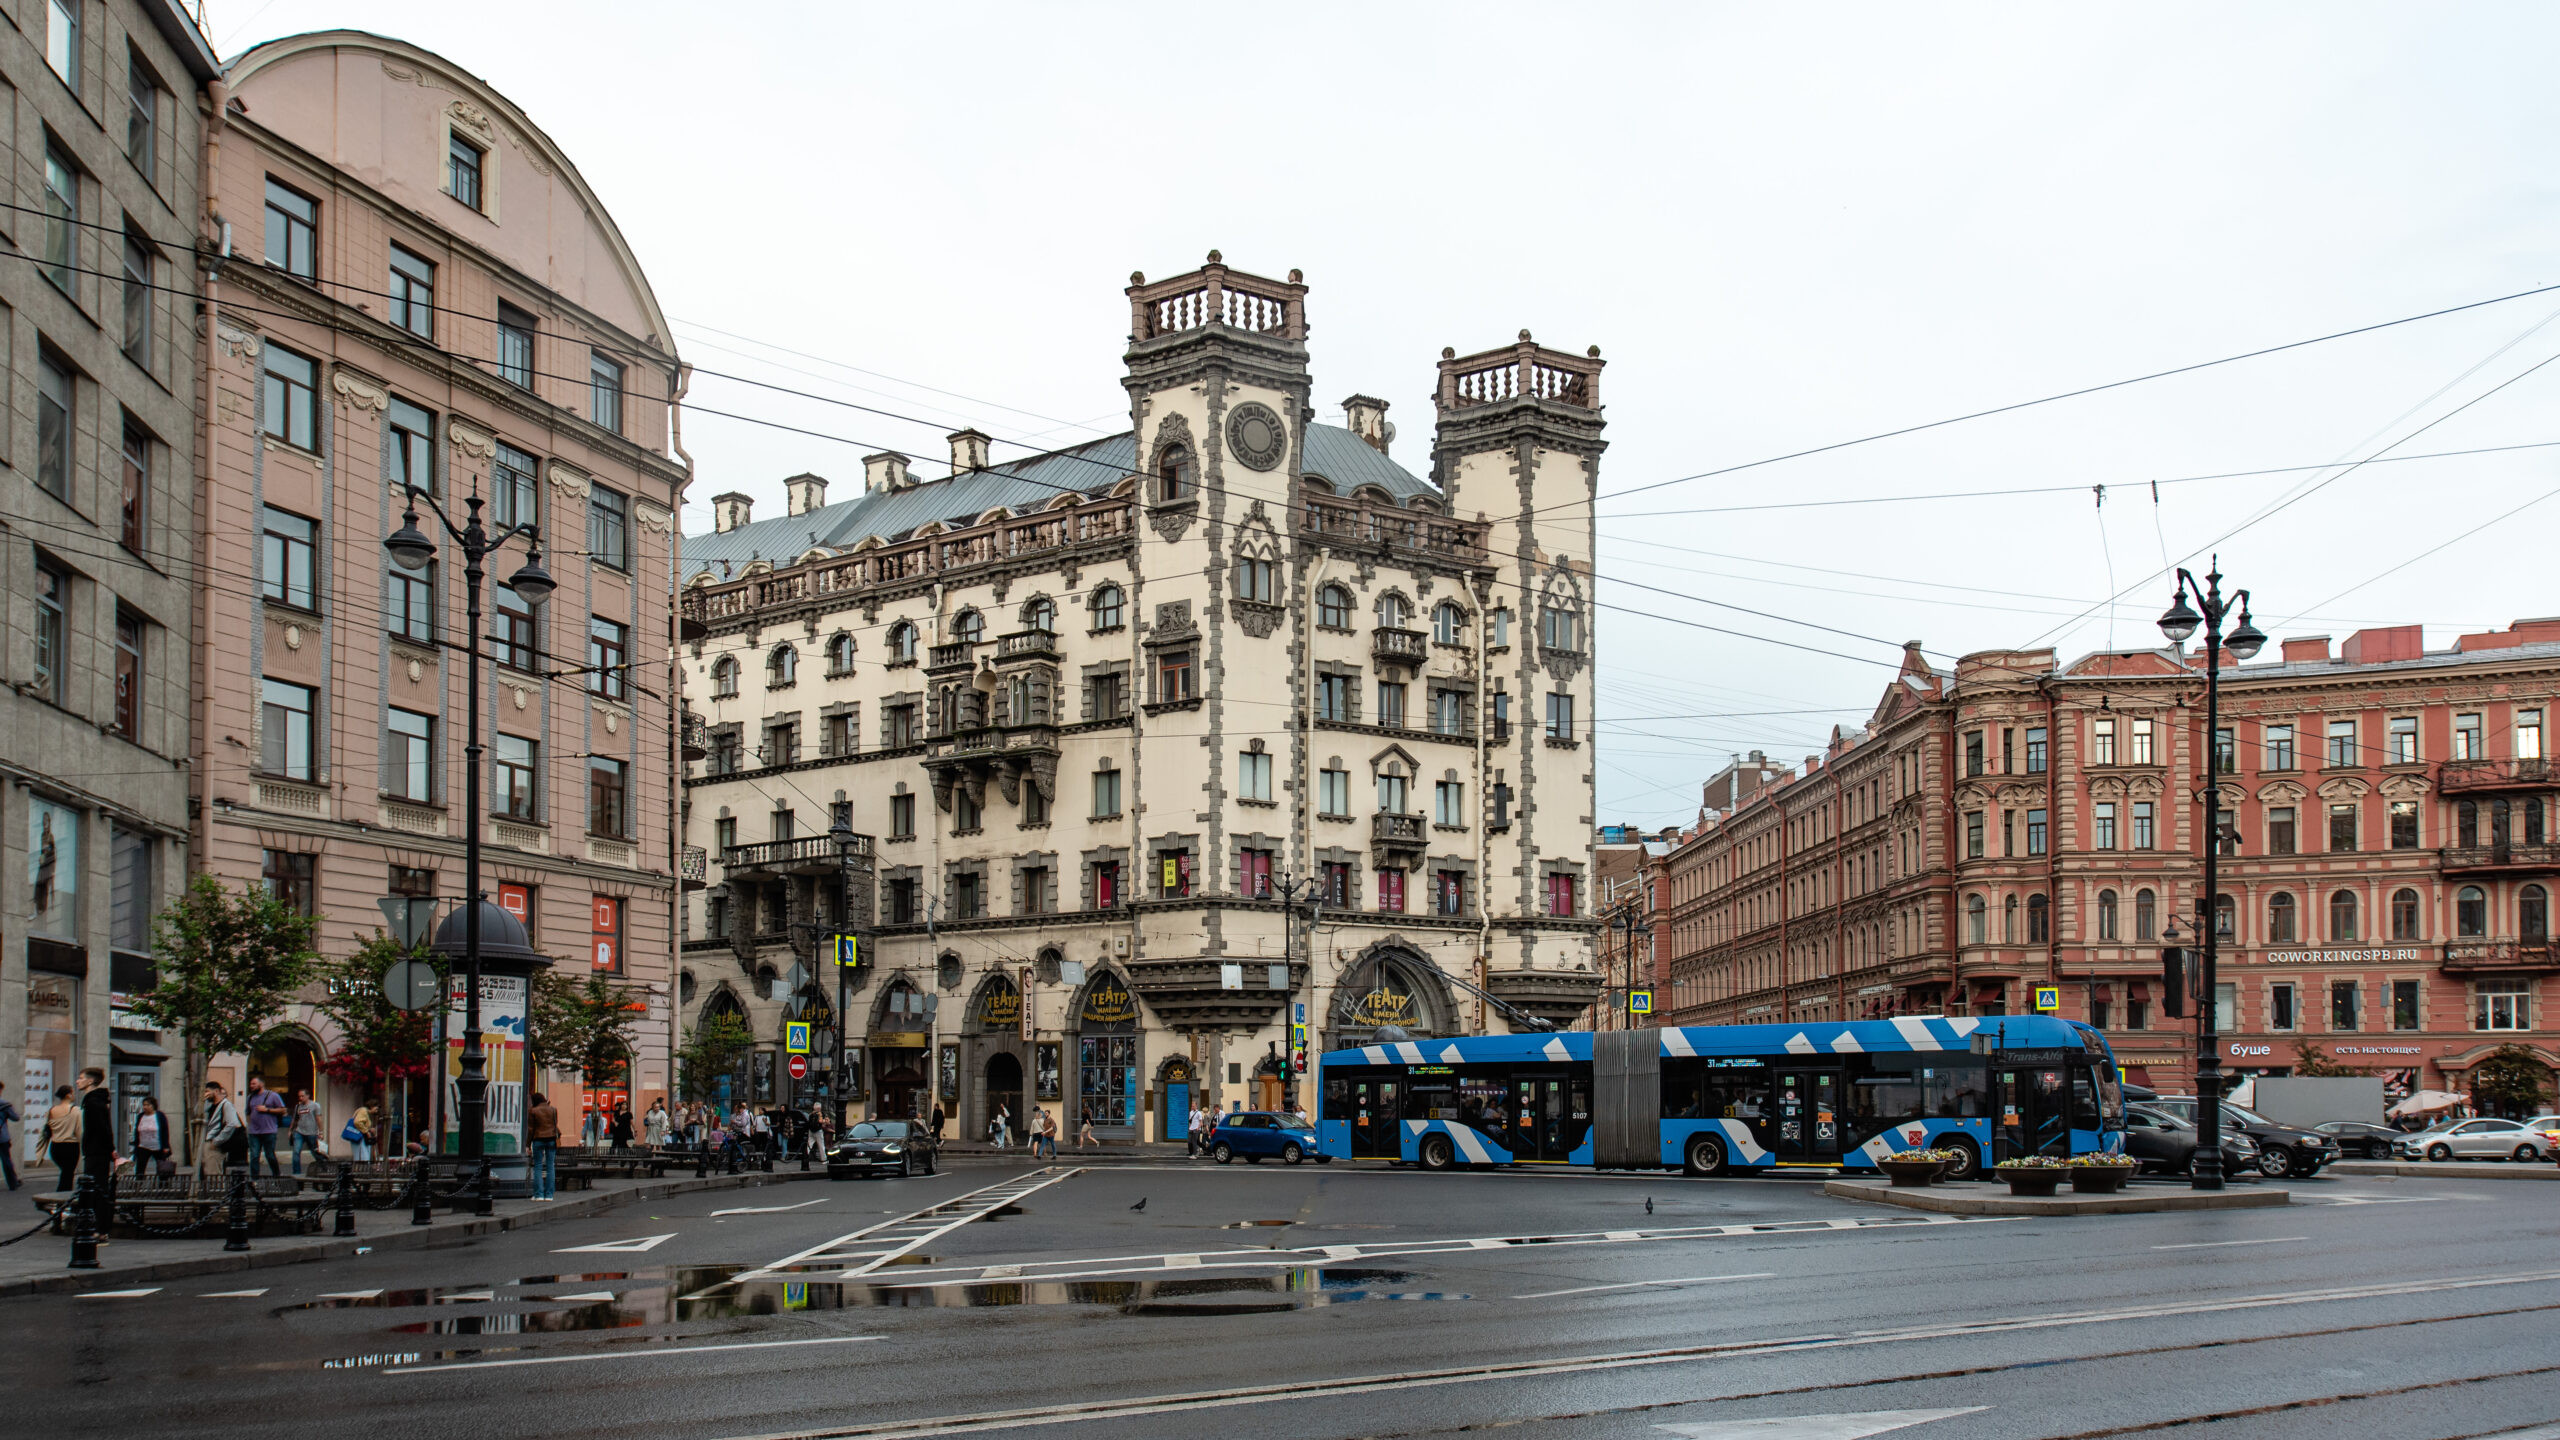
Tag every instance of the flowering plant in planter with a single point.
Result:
(2032, 1162)
(2112, 1162)
(1923, 1156)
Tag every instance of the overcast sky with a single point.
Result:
(1783, 230)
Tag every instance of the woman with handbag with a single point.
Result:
(358, 1133)
(155, 1150)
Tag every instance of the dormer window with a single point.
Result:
(1175, 477)
(463, 165)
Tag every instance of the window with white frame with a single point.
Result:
(1253, 777)
(2502, 1005)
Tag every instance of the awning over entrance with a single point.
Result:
(132, 1051)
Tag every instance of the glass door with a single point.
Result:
(1808, 1119)
(2035, 1111)
(1542, 1127)
(1375, 1119)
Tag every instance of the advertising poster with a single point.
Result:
(502, 1007)
(53, 869)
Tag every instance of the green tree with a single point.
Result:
(228, 964)
(380, 1043)
(2511, 1081)
(2323, 1064)
(711, 1051)
(585, 1026)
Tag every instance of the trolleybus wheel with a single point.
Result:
(1706, 1155)
(1968, 1162)
(1437, 1153)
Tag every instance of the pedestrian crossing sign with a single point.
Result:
(1639, 1002)
(848, 951)
(795, 1037)
(2048, 999)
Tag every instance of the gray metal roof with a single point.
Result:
(1092, 468)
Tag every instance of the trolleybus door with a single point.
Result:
(1550, 1115)
(1377, 1119)
(1809, 1120)
(2034, 1114)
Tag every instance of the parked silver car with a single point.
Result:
(2472, 1140)
(2546, 1135)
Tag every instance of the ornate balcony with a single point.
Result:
(2495, 859)
(2496, 957)
(1396, 839)
(695, 736)
(1555, 996)
(2462, 777)
(694, 867)
(1190, 994)
(801, 855)
(1400, 647)
(1027, 645)
(958, 656)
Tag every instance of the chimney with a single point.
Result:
(2385, 642)
(1366, 415)
(968, 451)
(807, 492)
(2306, 648)
(730, 511)
(884, 471)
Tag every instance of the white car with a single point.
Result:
(2546, 1135)
(2473, 1140)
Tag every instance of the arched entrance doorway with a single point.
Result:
(901, 1038)
(996, 1060)
(1107, 1059)
(1175, 1082)
(1391, 985)
(1001, 1087)
(726, 1082)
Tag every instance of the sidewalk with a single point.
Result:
(37, 1264)
(2448, 1169)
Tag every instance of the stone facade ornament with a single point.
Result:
(293, 637)
(517, 691)
(652, 517)
(569, 481)
(472, 440)
(1171, 523)
(473, 121)
(1256, 437)
(417, 671)
(360, 391)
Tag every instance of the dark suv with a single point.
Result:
(2282, 1150)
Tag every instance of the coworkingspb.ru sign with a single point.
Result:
(2345, 957)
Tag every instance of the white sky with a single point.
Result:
(1783, 231)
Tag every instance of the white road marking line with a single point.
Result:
(1149, 1405)
(117, 1294)
(619, 1247)
(1816, 1427)
(470, 1299)
(999, 1272)
(1181, 1262)
(974, 1203)
(771, 1209)
(635, 1353)
(591, 1295)
(1342, 1252)
(1622, 1235)
(348, 1295)
(1640, 1285)
(2219, 1244)
(233, 1294)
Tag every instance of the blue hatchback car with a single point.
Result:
(1256, 1133)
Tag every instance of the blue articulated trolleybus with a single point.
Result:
(1722, 1099)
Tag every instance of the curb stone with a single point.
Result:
(1989, 1202)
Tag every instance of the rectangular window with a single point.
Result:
(782, 747)
(1972, 753)
(2226, 750)
(413, 293)
(61, 219)
(515, 346)
(1257, 580)
(608, 658)
(2104, 824)
(2342, 827)
(1253, 777)
(1333, 697)
(1035, 806)
(135, 859)
(2140, 749)
(1391, 704)
(2404, 741)
(967, 901)
(410, 611)
(1559, 717)
(1449, 803)
(902, 817)
(514, 639)
(1973, 834)
(2404, 824)
(1106, 885)
(517, 779)
(2502, 1005)
(463, 162)
(2279, 747)
(293, 231)
(53, 614)
(1107, 695)
(515, 491)
(2226, 1007)
(140, 301)
(2280, 836)
(2035, 750)
(62, 47)
(1391, 892)
(1174, 679)
(134, 509)
(2008, 832)
(1391, 794)
(608, 797)
(2342, 1005)
(2280, 1014)
(412, 447)
(2404, 1004)
(1106, 794)
(1173, 873)
(1253, 874)
(2528, 735)
(902, 901)
(284, 729)
(128, 715)
(2145, 836)
(837, 738)
(291, 393)
(2342, 745)
(54, 400)
(604, 393)
(2035, 832)
(2467, 742)
(2008, 751)
(900, 721)
(1334, 884)
(1449, 892)
(287, 557)
(1333, 792)
(2102, 742)
(408, 755)
(1560, 895)
(142, 95)
(609, 528)
(1448, 713)
(293, 879)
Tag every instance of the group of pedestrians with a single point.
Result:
(1040, 1131)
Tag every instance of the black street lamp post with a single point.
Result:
(840, 1074)
(410, 549)
(2244, 641)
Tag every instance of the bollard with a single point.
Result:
(804, 1159)
(422, 1209)
(346, 1198)
(483, 1193)
(236, 1236)
(768, 1159)
(701, 1161)
(84, 1223)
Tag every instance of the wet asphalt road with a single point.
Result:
(1335, 1302)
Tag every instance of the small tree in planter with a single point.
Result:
(380, 1045)
(227, 965)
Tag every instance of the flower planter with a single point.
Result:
(2099, 1179)
(2038, 1180)
(1911, 1174)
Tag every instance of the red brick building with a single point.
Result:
(2386, 818)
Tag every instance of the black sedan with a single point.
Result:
(2355, 1137)
(884, 1147)
(2159, 1141)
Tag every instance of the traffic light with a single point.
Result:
(2173, 982)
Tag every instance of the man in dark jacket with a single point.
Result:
(98, 1155)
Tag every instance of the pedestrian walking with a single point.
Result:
(1048, 1135)
(653, 1126)
(619, 1131)
(155, 1148)
(591, 1128)
(62, 1135)
(359, 1134)
(1084, 1130)
(266, 1114)
(1001, 1125)
(937, 1122)
(8, 1142)
(542, 1142)
(226, 1132)
(306, 1131)
(1196, 1139)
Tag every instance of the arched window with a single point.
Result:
(2280, 919)
(782, 666)
(902, 642)
(1559, 628)
(2146, 915)
(2471, 912)
(724, 678)
(969, 626)
(840, 654)
(2404, 914)
(1333, 608)
(1175, 479)
(2039, 928)
(2009, 921)
(900, 1004)
(2342, 915)
(1041, 615)
(1258, 580)
(2106, 915)
(1106, 607)
(1393, 612)
(1448, 623)
(2226, 917)
(2533, 913)
(1977, 918)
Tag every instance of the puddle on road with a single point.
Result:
(999, 1213)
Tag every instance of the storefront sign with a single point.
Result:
(899, 1039)
(2345, 957)
(1109, 1003)
(1026, 1002)
(1383, 1006)
(2243, 1052)
(607, 953)
(1044, 1067)
(2376, 1050)
(1000, 1006)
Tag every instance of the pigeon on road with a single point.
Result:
(1648, 1204)
(1141, 1205)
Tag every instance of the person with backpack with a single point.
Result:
(226, 1136)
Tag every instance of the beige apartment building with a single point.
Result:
(418, 289)
(98, 381)
(1093, 714)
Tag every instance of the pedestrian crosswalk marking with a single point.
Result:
(233, 1294)
(619, 1247)
(350, 1295)
(118, 1294)
(874, 1246)
(589, 1295)
(1816, 1427)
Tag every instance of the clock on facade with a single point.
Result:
(1254, 435)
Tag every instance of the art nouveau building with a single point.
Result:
(1095, 712)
